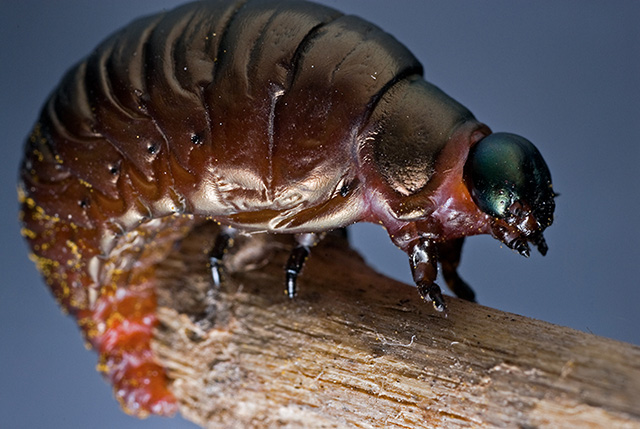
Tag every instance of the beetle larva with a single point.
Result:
(276, 116)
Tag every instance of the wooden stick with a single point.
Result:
(356, 349)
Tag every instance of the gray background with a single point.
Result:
(564, 74)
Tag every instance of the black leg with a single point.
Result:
(449, 255)
(424, 267)
(297, 258)
(224, 240)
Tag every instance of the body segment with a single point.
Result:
(276, 116)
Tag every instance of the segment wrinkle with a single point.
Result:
(299, 52)
(220, 56)
(254, 55)
(105, 79)
(223, 48)
(173, 54)
(400, 76)
(141, 101)
(146, 53)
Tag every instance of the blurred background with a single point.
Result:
(566, 75)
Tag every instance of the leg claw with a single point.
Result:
(433, 293)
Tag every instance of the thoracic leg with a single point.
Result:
(297, 259)
(424, 267)
(224, 240)
(449, 255)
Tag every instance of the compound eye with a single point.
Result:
(503, 169)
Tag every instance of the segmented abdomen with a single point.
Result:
(245, 112)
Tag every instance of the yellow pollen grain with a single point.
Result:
(117, 272)
(25, 232)
(76, 304)
(44, 265)
(102, 367)
(64, 288)
(75, 250)
(22, 196)
(38, 155)
(115, 318)
(108, 290)
(30, 202)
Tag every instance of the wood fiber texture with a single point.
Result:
(357, 349)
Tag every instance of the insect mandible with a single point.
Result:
(274, 116)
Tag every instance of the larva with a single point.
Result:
(276, 116)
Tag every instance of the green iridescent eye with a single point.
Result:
(503, 168)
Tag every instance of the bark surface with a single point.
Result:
(357, 349)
